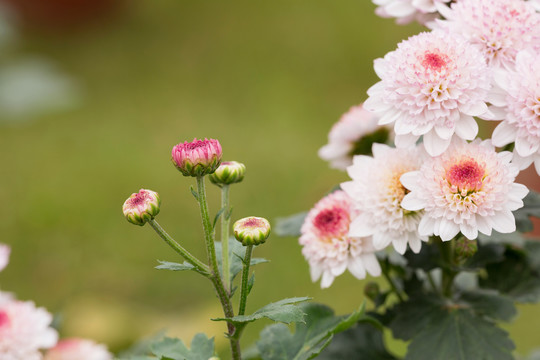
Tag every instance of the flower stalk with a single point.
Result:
(225, 218)
(245, 279)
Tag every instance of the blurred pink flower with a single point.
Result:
(24, 330)
(406, 11)
(470, 188)
(346, 135)
(5, 250)
(432, 85)
(377, 193)
(78, 349)
(197, 158)
(521, 107)
(501, 28)
(327, 246)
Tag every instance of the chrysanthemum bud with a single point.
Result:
(141, 207)
(251, 230)
(229, 172)
(465, 248)
(197, 158)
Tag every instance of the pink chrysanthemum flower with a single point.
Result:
(406, 11)
(501, 28)
(377, 193)
(352, 135)
(432, 85)
(327, 246)
(4, 256)
(24, 330)
(78, 349)
(197, 158)
(522, 106)
(470, 188)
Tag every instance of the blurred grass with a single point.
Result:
(268, 79)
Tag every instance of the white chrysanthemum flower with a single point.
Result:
(470, 188)
(78, 349)
(6, 297)
(501, 28)
(24, 330)
(327, 246)
(522, 106)
(535, 4)
(406, 11)
(432, 85)
(353, 134)
(4, 256)
(377, 192)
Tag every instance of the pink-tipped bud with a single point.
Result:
(251, 230)
(197, 158)
(141, 207)
(229, 172)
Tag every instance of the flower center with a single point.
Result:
(138, 199)
(195, 144)
(466, 176)
(433, 61)
(254, 223)
(332, 222)
(4, 319)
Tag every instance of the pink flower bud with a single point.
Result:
(251, 230)
(141, 207)
(197, 158)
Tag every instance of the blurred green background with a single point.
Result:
(266, 78)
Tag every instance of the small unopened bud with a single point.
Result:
(465, 248)
(141, 207)
(372, 290)
(197, 158)
(251, 230)
(229, 172)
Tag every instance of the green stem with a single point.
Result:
(199, 266)
(432, 282)
(225, 237)
(448, 271)
(393, 286)
(245, 278)
(216, 276)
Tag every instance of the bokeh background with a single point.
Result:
(94, 94)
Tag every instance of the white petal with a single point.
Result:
(315, 271)
(379, 65)
(483, 225)
(537, 165)
(371, 264)
(415, 243)
(381, 240)
(476, 109)
(356, 267)
(525, 147)
(405, 140)
(400, 245)
(504, 222)
(389, 117)
(400, 9)
(360, 227)
(412, 203)
(426, 227)
(515, 196)
(434, 145)
(445, 132)
(469, 231)
(503, 134)
(466, 128)
(379, 149)
(522, 162)
(327, 280)
(410, 179)
(448, 230)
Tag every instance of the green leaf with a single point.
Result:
(427, 259)
(363, 341)
(457, 334)
(194, 193)
(310, 338)
(237, 252)
(290, 225)
(166, 265)
(414, 315)
(514, 276)
(202, 348)
(141, 350)
(284, 311)
(216, 218)
(490, 303)
(486, 254)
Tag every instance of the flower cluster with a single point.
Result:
(478, 62)
(26, 332)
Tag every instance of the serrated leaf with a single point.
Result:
(141, 349)
(290, 225)
(167, 265)
(285, 311)
(490, 303)
(309, 339)
(202, 348)
(457, 334)
(363, 341)
(410, 317)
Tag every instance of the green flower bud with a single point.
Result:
(251, 230)
(372, 290)
(229, 172)
(465, 248)
(141, 207)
